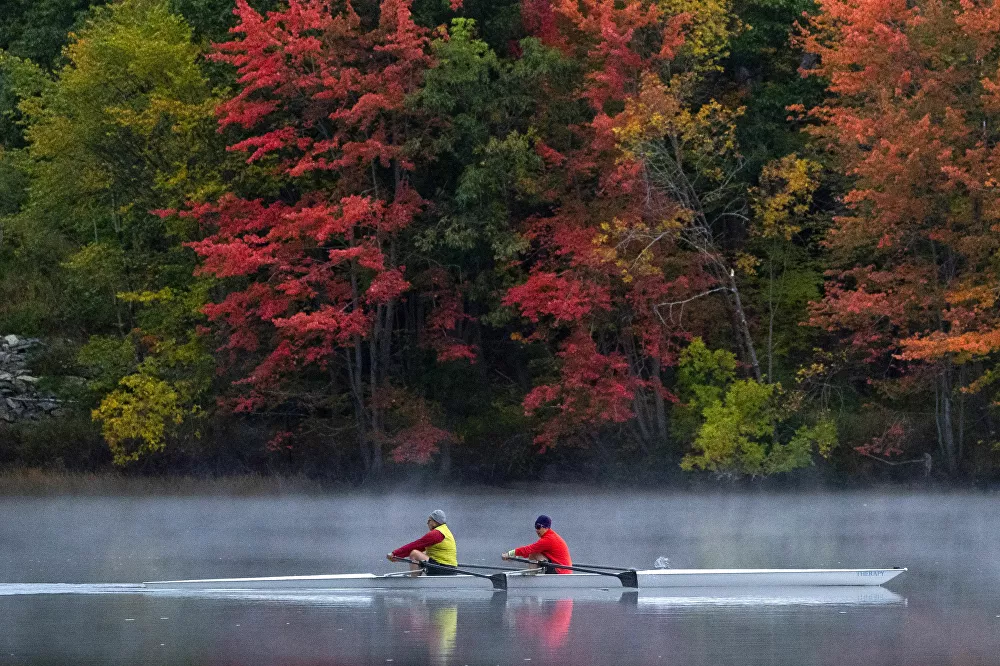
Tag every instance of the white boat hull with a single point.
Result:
(647, 579)
(662, 598)
(765, 577)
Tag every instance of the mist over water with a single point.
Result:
(67, 563)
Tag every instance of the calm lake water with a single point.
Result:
(66, 563)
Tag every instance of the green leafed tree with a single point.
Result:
(742, 427)
(124, 129)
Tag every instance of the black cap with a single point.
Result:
(543, 521)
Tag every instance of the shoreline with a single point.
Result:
(41, 483)
(33, 482)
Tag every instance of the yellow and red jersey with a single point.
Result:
(437, 543)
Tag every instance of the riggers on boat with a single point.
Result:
(528, 580)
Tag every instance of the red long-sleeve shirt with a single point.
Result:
(429, 539)
(552, 546)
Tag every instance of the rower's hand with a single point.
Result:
(390, 557)
(506, 556)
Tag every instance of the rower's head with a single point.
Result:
(542, 524)
(436, 519)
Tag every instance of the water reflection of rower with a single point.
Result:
(433, 624)
(445, 621)
(549, 622)
(435, 547)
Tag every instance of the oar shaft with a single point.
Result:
(438, 566)
(499, 580)
(553, 565)
(483, 566)
(628, 578)
(600, 566)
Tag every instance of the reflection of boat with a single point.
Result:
(373, 598)
(647, 579)
(26, 589)
(644, 599)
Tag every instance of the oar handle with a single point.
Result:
(499, 580)
(628, 578)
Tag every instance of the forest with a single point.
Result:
(492, 240)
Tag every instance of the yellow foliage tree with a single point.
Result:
(784, 196)
(137, 416)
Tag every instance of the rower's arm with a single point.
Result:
(429, 539)
(530, 549)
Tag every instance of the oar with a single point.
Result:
(628, 577)
(483, 566)
(601, 566)
(499, 580)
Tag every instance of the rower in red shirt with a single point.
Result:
(550, 547)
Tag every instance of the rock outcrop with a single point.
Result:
(20, 399)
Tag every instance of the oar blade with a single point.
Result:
(629, 579)
(499, 581)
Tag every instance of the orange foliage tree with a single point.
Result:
(912, 120)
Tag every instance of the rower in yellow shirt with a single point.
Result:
(435, 547)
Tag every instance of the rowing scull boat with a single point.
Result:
(646, 579)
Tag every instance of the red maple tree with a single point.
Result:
(315, 276)
(602, 263)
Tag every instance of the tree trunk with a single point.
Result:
(660, 404)
(945, 426)
(744, 339)
(445, 468)
(371, 448)
(641, 420)
(376, 427)
(770, 319)
(961, 414)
